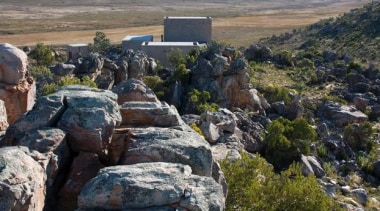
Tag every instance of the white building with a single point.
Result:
(76, 50)
(134, 42)
(188, 29)
(160, 50)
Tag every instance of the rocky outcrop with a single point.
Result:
(341, 115)
(75, 133)
(17, 89)
(184, 146)
(140, 106)
(22, 179)
(134, 90)
(157, 186)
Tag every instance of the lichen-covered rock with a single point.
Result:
(22, 179)
(134, 90)
(13, 64)
(88, 115)
(341, 115)
(151, 186)
(170, 145)
(139, 113)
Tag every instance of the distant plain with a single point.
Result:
(238, 22)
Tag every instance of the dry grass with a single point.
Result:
(239, 23)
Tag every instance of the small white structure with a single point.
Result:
(134, 42)
(76, 50)
(188, 29)
(160, 50)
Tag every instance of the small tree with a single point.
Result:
(200, 101)
(287, 140)
(43, 55)
(101, 42)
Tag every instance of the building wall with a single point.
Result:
(159, 50)
(74, 50)
(134, 42)
(188, 29)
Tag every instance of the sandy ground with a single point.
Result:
(259, 19)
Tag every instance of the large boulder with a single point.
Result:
(151, 186)
(134, 90)
(87, 114)
(13, 64)
(16, 89)
(138, 64)
(170, 145)
(341, 115)
(22, 179)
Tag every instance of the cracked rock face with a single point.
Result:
(155, 185)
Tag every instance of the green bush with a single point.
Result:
(287, 140)
(156, 84)
(200, 101)
(196, 129)
(65, 81)
(101, 42)
(359, 137)
(276, 93)
(43, 55)
(181, 74)
(253, 185)
(41, 73)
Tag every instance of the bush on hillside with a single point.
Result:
(101, 42)
(200, 101)
(43, 54)
(253, 185)
(287, 140)
(65, 81)
(359, 136)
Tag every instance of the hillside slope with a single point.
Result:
(356, 33)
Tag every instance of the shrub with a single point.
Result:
(196, 129)
(359, 137)
(43, 55)
(156, 84)
(200, 101)
(41, 73)
(276, 93)
(287, 140)
(101, 42)
(253, 185)
(181, 74)
(65, 81)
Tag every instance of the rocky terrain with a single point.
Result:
(153, 138)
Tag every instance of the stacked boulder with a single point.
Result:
(17, 89)
(87, 155)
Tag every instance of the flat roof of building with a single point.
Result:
(139, 38)
(171, 43)
(184, 17)
(78, 45)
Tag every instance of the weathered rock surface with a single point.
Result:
(16, 89)
(170, 145)
(134, 90)
(3, 117)
(22, 179)
(310, 165)
(13, 64)
(88, 120)
(84, 167)
(153, 186)
(341, 115)
(147, 113)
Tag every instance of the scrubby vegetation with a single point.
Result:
(287, 140)
(253, 185)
